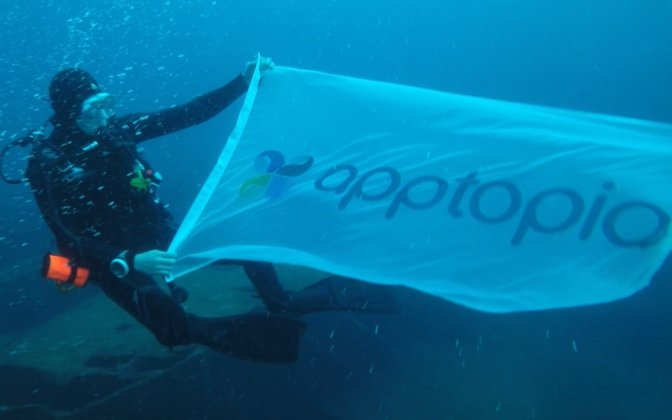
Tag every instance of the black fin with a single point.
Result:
(261, 337)
(342, 294)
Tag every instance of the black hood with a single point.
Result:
(68, 90)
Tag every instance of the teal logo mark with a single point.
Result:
(275, 174)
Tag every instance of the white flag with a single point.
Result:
(494, 205)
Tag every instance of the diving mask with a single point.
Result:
(96, 112)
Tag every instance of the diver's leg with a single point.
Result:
(142, 298)
(265, 279)
(258, 337)
(334, 293)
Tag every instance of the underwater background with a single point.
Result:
(76, 355)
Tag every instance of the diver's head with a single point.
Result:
(78, 100)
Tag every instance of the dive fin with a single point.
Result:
(260, 337)
(336, 293)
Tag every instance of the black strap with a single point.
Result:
(73, 273)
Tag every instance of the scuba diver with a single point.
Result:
(98, 195)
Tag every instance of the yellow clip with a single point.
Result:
(139, 181)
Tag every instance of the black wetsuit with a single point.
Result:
(98, 196)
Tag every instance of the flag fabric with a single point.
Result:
(494, 205)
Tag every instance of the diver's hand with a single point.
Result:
(265, 65)
(155, 263)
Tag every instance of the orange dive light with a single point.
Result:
(64, 271)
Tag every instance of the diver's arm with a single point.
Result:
(146, 126)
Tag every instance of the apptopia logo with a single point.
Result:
(467, 195)
(275, 174)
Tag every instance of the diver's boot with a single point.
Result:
(260, 337)
(343, 294)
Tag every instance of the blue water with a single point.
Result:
(608, 56)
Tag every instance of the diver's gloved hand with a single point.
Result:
(265, 65)
(155, 263)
